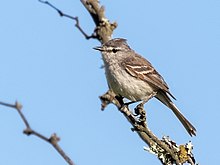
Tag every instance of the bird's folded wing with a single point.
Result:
(142, 69)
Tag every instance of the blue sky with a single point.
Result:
(49, 67)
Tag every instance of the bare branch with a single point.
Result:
(93, 35)
(166, 150)
(103, 29)
(53, 140)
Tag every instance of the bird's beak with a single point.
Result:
(99, 48)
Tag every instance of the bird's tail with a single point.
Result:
(164, 98)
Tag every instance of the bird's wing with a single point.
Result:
(142, 69)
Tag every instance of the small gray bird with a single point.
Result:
(131, 76)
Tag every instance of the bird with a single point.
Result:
(131, 76)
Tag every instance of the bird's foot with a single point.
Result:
(140, 112)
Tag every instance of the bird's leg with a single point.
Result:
(130, 102)
(120, 99)
(126, 104)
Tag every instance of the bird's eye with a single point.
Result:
(114, 50)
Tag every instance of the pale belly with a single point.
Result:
(123, 84)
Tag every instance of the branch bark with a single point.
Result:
(53, 139)
(166, 150)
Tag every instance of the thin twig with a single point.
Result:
(53, 140)
(93, 35)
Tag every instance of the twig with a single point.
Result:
(53, 140)
(93, 35)
(103, 29)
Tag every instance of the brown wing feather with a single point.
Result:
(142, 69)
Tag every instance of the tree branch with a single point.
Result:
(104, 28)
(166, 150)
(53, 139)
(93, 35)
